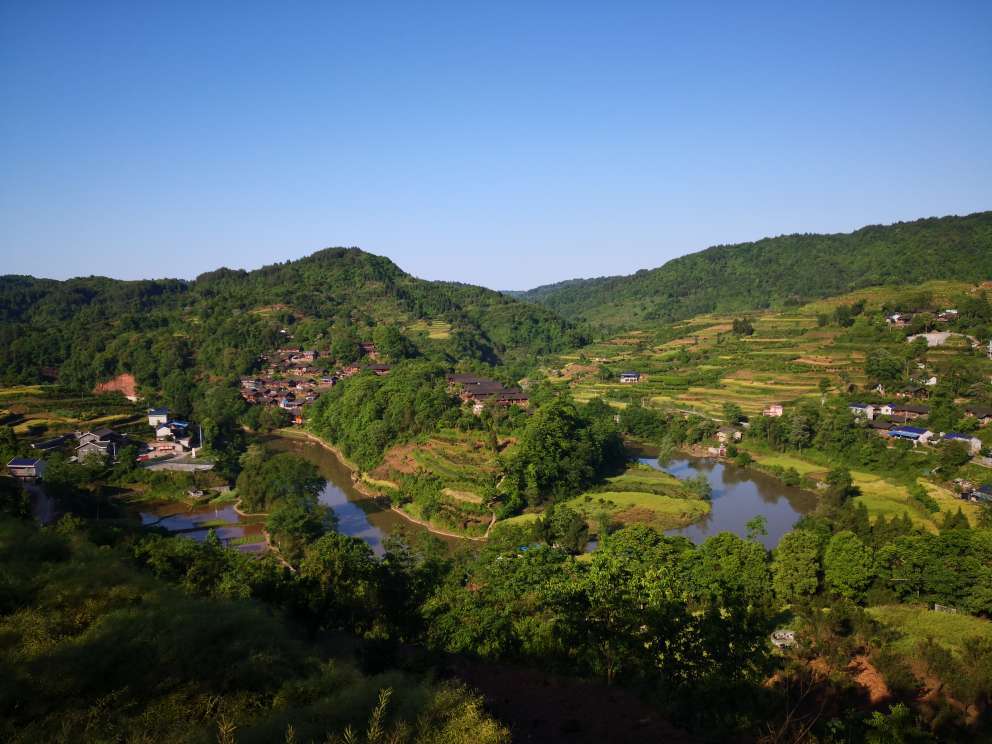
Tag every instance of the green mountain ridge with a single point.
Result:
(93, 328)
(774, 272)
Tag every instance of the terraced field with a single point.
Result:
(699, 365)
(41, 411)
(436, 330)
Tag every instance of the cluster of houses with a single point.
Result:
(891, 420)
(291, 381)
(289, 395)
(172, 437)
(974, 492)
(901, 320)
(480, 391)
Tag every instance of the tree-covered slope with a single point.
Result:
(93, 328)
(780, 271)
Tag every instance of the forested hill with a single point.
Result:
(780, 271)
(93, 328)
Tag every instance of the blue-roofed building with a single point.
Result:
(26, 468)
(912, 433)
(973, 443)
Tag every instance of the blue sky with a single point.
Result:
(505, 144)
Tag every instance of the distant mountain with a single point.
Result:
(773, 272)
(93, 328)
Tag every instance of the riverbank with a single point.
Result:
(360, 484)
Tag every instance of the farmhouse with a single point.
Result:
(974, 444)
(728, 434)
(911, 433)
(982, 413)
(26, 468)
(630, 377)
(904, 411)
(867, 410)
(51, 444)
(99, 442)
(157, 416)
(378, 369)
(773, 409)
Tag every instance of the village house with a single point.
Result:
(482, 390)
(982, 413)
(981, 494)
(378, 369)
(512, 397)
(51, 444)
(881, 427)
(903, 411)
(628, 378)
(26, 468)
(773, 410)
(369, 349)
(157, 416)
(973, 443)
(307, 355)
(912, 434)
(101, 442)
(865, 410)
(899, 320)
(913, 390)
(728, 434)
(96, 449)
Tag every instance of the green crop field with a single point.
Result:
(916, 624)
(637, 507)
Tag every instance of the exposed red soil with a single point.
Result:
(125, 384)
(868, 677)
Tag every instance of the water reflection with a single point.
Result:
(358, 515)
(196, 523)
(739, 495)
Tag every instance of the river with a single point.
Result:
(739, 494)
(358, 515)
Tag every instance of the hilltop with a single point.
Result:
(89, 329)
(780, 272)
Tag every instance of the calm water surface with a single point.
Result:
(358, 515)
(739, 494)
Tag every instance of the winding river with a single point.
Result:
(738, 495)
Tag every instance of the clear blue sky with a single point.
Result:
(500, 143)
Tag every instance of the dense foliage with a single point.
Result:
(167, 331)
(367, 413)
(772, 272)
(96, 649)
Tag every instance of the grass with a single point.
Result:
(251, 539)
(787, 461)
(638, 507)
(917, 623)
